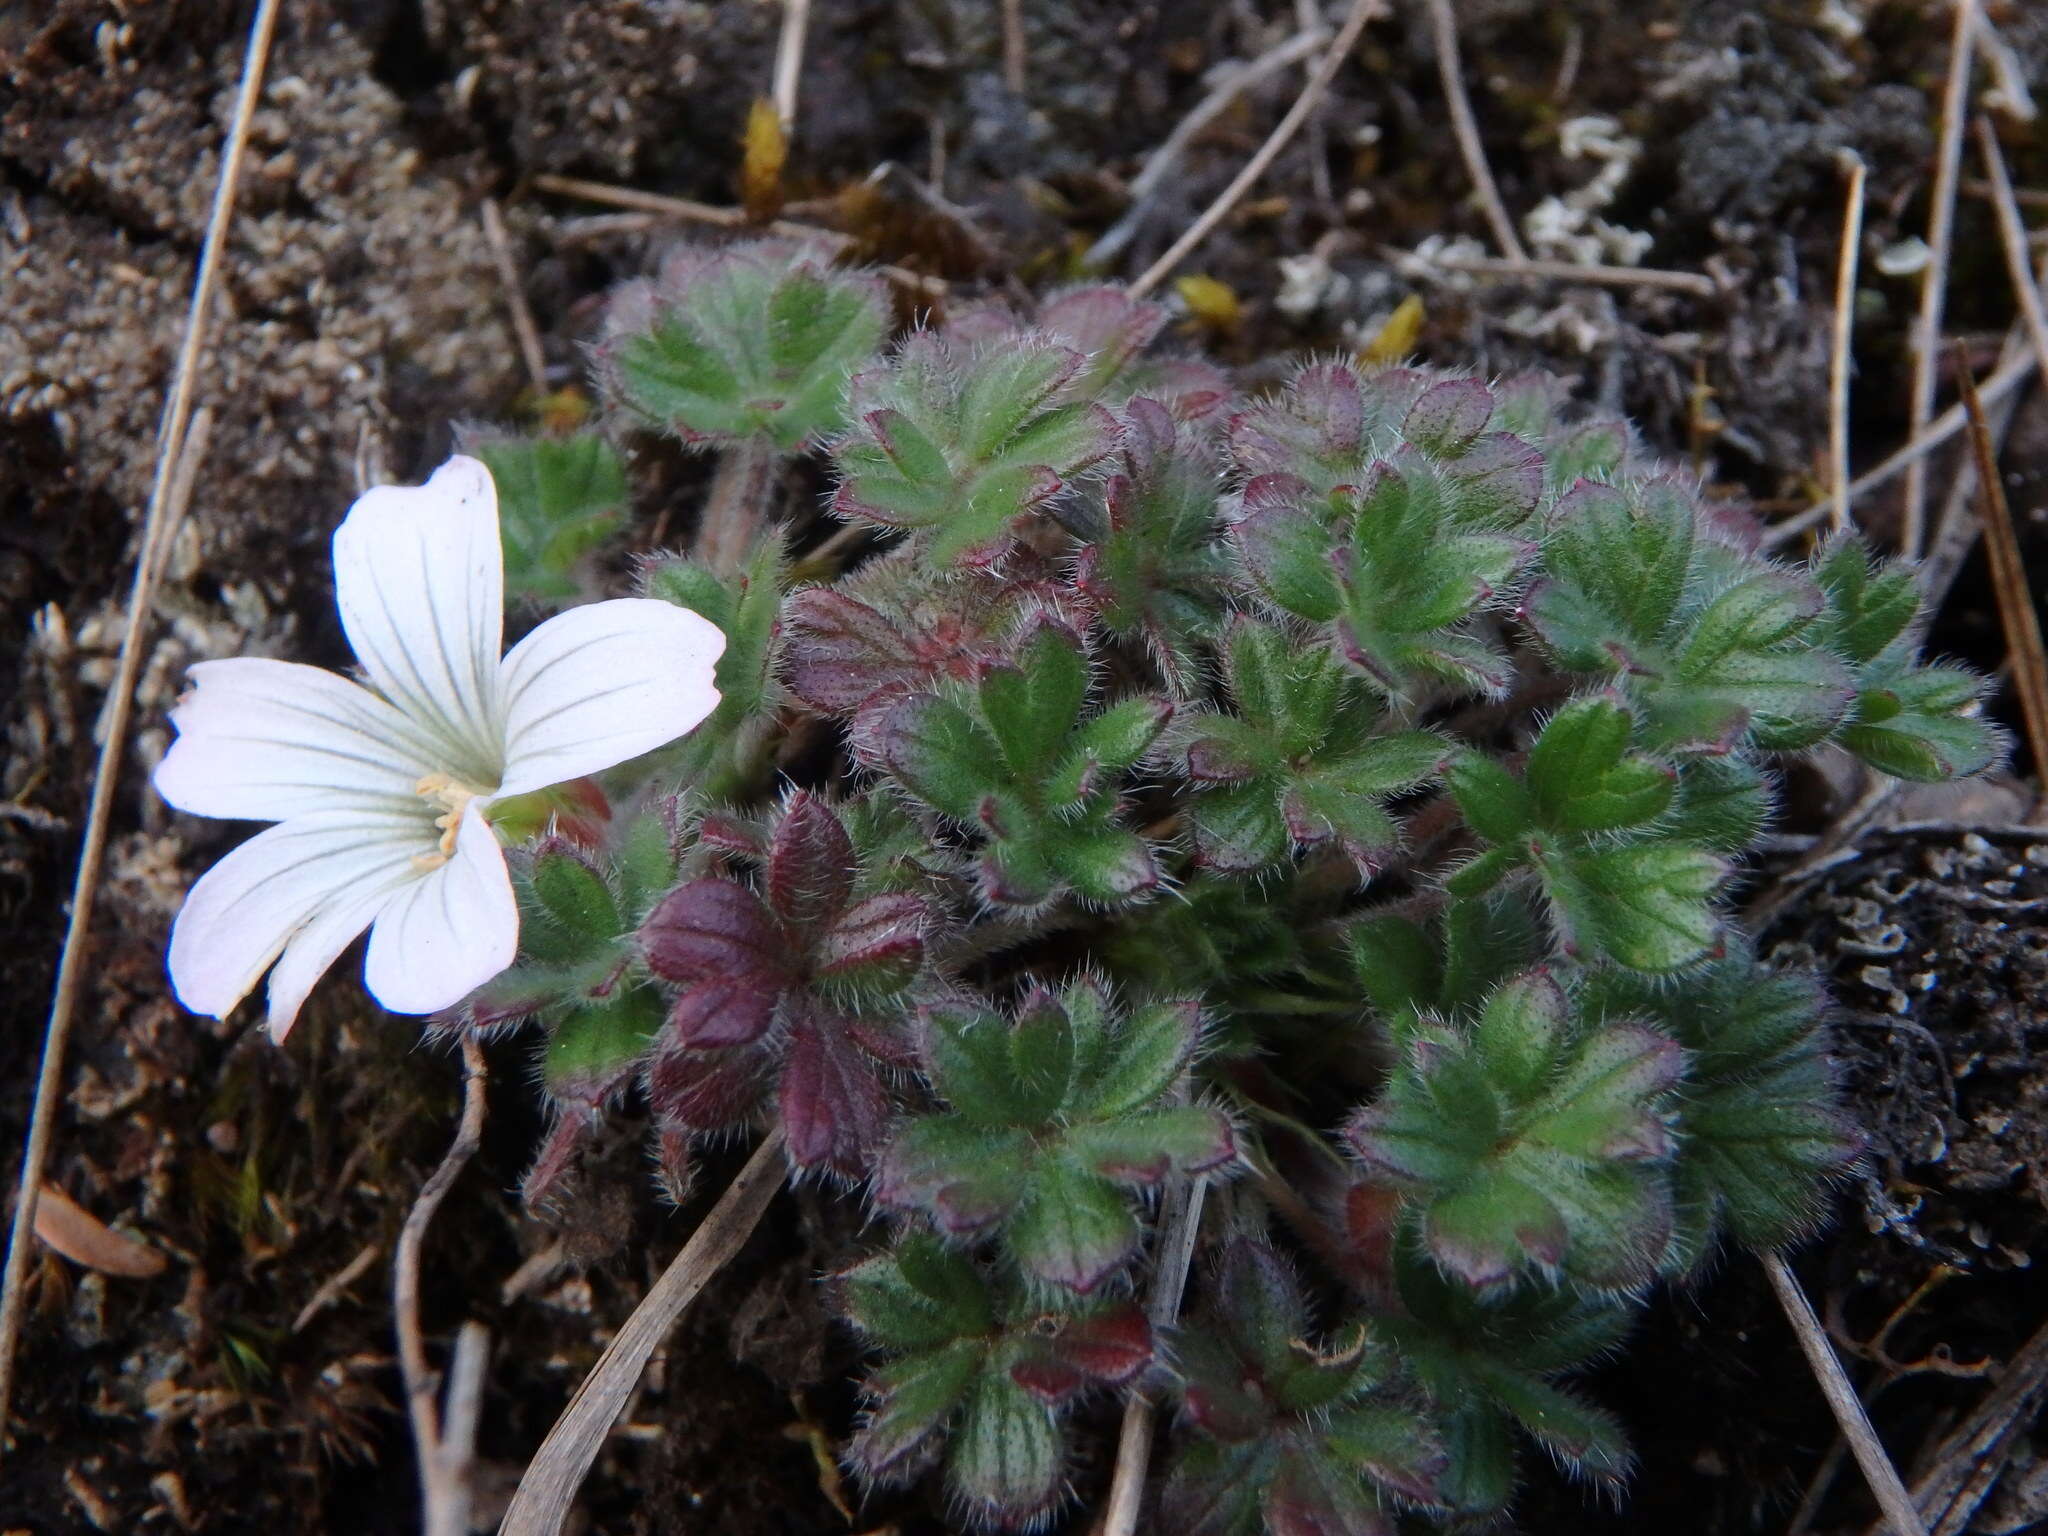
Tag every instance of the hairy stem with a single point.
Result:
(737, 505)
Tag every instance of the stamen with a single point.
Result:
(452, 795)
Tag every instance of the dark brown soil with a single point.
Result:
(362, 316)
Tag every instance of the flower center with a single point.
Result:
(450, 794)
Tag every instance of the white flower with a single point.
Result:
(379, 791)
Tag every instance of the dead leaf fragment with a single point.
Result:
(83, 1238)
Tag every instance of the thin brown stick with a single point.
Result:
(1013, 46)
(2012, 235)
(1844, 336)
(1957, 535)
(331, 1289)
(158, 523)
(2016, 612)
(1283, 133)
(1934, 281)
(1696, 283)
(1834, 1383)
(789, 60)
(563, 1461)
(1466, 127)
(1159, 165)
(1180, 1223)
(523, 328)
(692, 212)
(444, 1481)
(2024, 197)
(2005, 382)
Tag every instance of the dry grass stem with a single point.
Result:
(523, 328)
(1445, 27)
(444, 1458)
(1282, 135)
(174, 474)
(1013, 46)
(549, 1487)
(2016, 611)
(1972, 1456)
(2012, 235)
(1934, 281)
(692, 212)
(1697, 284)
(1160, 164)
(1877, 1467)
(332, 1288)
(1180, 1223)
(1840, 352)
(2001, 385)
(789, 60)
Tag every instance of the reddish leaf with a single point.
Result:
(721, 1013)
(714, 930)
(810, 863)
(1111, 1346)
(703, 1090)
(833, 1109)
(879, 940)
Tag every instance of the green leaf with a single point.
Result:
(940, 753)
(969, 1056)
(591, 1047)
(1238, 829)
(1073, 1230)
(1141, 1061)
(1870, 606)
(558, 498)
(1006, 1459)
(913, 1399)
(1644, 905)
(1494, 803)
(1521, 1030)
(575, 898)
(1142, 1148)
(1031, 706)
(1580, 777)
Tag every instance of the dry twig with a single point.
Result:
(2001, 385)
(2012, 235)
(445, 1455)
(1445, 26)
(789, 60)
(1844, 334)
(2016, 613)
(1160, 164)
(332, 1287)
(563, 1460)
(173, 472)
(1283, 134)
(1013, 46)
(1180, 1222)
(1877, 1467)
(692, 212)
(523, 328)
(1934, 282)
(1697, 284)
(1972, 1456)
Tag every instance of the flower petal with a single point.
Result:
(265, 740)
(602, 683)
(419, 577)
(284, 883)
(444, 936)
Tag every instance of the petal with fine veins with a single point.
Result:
(603, 683)
(419, 577)
(249, 906)
(263, 740)
(443, 936)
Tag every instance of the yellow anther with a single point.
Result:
(451, 794)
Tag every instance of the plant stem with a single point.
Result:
(737, 505)
(563, 1461)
